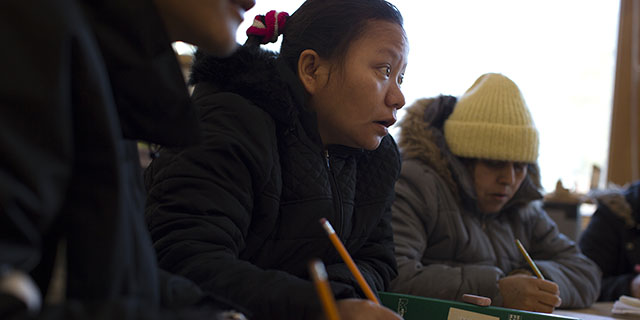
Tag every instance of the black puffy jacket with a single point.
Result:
(612, 240)
(240, 214)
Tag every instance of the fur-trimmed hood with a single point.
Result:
(422, 138)
(255, 74)
(623, 202)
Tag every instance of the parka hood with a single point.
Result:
(255, 74)
(422, 138)
(624, 202)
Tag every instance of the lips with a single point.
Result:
(387, 123)
(501, 196)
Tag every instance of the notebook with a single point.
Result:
(421, 308)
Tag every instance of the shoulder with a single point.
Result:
(227, 111)
(532, 211)
(419, 182)
(235, 134)
(416, 172)
(249, 73)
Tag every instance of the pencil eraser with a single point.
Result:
(477, 300)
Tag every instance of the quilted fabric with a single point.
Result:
(240, 213)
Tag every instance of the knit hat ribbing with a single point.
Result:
(491, 121)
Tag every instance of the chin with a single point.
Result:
(372, 144)
(493, 210)
(221, 45)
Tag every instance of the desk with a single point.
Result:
(598, 311)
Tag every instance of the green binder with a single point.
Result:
(421, 308)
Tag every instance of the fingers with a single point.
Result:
(548, 286)
(551, 300)
(529, 293)
(549, 297)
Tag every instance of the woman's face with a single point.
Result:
(358, 102)
(209, 24)
(496, 182)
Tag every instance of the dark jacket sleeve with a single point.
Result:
(35, 128)
(602, 242)
(200, 208)
(37, 147)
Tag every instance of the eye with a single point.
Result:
(401, 78)
(495, 163)
(519, 166)
(386, 71)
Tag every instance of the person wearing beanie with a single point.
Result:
(468, 188)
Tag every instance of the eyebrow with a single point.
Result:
(387, 50)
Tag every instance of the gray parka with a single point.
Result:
(446, 248)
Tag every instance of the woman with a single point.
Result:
(466, 193)
(612, 240)
(289, 139)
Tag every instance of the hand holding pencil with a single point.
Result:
(524, 292)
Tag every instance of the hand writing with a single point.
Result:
(529, 293)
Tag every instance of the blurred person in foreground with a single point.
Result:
(81, 82)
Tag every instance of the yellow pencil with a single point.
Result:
(319, 276)
(348, 260)
(529, 260)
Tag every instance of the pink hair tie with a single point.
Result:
(269, 26)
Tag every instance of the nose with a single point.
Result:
(395, 97)
(507, 175)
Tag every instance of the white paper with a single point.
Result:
(626, 305)
(459, 314)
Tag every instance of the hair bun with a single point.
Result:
(269, 26)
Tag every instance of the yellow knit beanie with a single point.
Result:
(491, 121)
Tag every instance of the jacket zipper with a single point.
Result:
(334, 186)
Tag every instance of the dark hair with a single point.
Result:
(329, 26)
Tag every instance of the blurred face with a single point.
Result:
(496, 182)
(209, 24)
(358, 102)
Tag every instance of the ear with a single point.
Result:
(310, 70)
